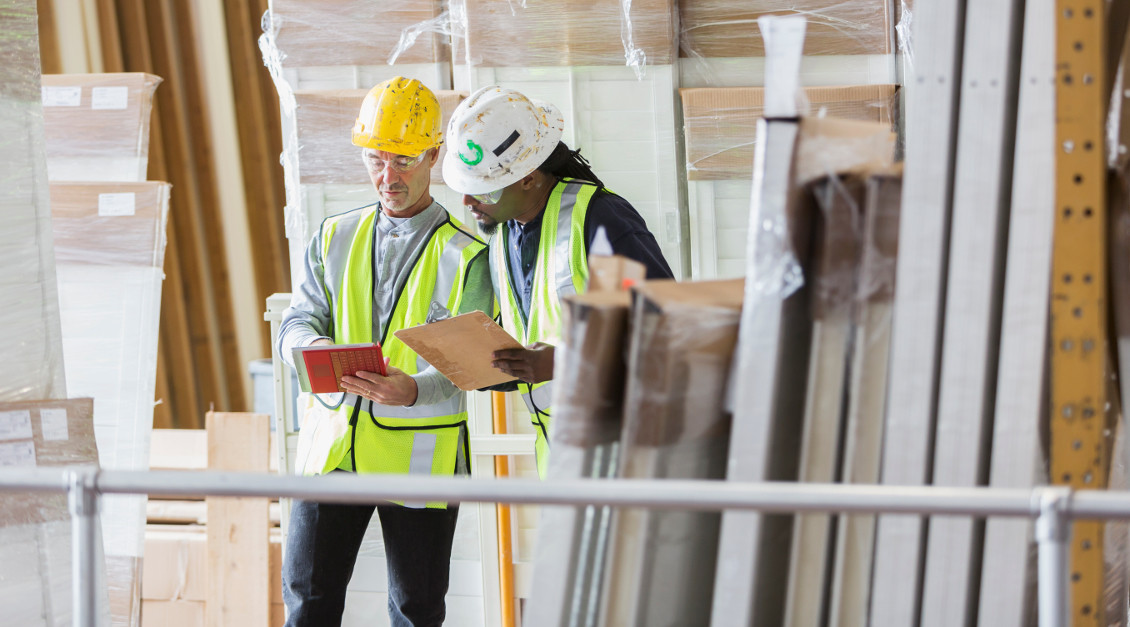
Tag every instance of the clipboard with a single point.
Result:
(461, 347)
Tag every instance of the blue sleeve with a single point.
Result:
(626, 231)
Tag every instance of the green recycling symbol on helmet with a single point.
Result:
(478, 154)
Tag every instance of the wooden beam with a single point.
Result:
(238, 540)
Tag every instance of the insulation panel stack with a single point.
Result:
(721, 45)
(110, 236)
(35, 582)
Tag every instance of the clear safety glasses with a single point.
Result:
(489, 198)
(398, 163)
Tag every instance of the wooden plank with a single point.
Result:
(48, 38)
(260, 140)
(836, 257)
(855, 541)
(238, 573)
(1017, 461)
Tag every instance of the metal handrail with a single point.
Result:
(1052, 507)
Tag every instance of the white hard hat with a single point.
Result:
(497, 136)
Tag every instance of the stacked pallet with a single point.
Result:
(35, 585)
(848, 43)
(110, 234)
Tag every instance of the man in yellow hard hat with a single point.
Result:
(399, 263)
(544, 208)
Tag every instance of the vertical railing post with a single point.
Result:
(84, 499)
(1053, 529)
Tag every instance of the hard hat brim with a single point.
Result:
(460, 178)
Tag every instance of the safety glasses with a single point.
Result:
(489, 198)
(398, 163)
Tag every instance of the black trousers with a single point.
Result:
(321, 550)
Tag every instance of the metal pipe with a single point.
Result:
(505, 548)
(675, 494)
(83, 500)
(1052, 531)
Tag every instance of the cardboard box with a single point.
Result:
(324, 33)
(326, 153)
(720, 124)
(590, 371)
(96, 126)
(128, 219)
(728, 28)
(502, 33)
(44, 433)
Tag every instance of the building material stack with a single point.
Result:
(38, 426)
(610, 67)
(110, 235)
(324, 57)
(848, 66)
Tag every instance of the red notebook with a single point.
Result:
(320, 368)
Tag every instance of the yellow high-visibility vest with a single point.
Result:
(383, 439)
(561, 270)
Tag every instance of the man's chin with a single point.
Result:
(487, 226)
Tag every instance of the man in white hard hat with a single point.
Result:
(543, 207)
(398, 263)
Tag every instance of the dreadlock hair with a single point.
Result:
(563, 162)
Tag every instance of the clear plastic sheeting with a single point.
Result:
(728, 28)
(97, 125)
(35, 528)
(110, 242)
(661, 562)
(504, 33)
(31, 311)
(323, 33)
(720, 124)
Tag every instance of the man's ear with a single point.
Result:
(530, 181)
(435, 155)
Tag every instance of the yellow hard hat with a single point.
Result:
(400, 116)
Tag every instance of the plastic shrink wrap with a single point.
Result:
(110, 246)
(35, 582)
(97, 125)
(661, 562)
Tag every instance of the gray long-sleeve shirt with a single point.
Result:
(397, 243)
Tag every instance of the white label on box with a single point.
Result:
(53, 423)
(121, 204)
(15, 425)
(17, 453)
(109, 98)
(62, 96)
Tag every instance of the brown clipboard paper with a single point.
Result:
(461, 348)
